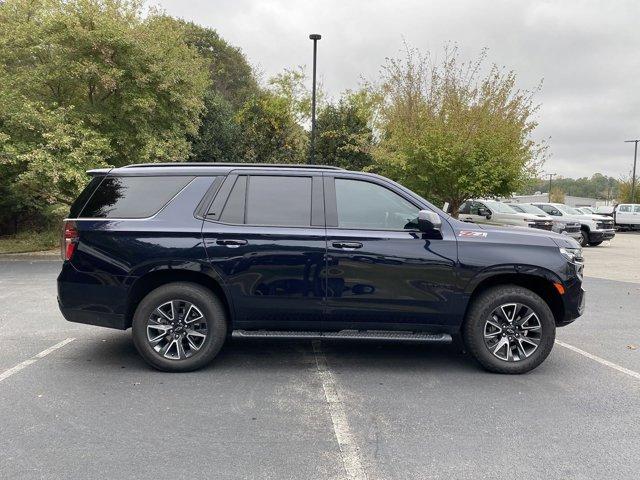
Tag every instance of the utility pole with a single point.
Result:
(315, 37)
(633, 176)
(551, 175)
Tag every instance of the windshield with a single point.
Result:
(526, 208)
(498, 206)
(569, 210)
(587, 210)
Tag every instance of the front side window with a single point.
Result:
(278, 201)
(550, 210)
(365, 205)
(132, 197)
(625, 208)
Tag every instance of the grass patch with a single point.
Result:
(30, 242)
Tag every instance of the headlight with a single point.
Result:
(574, 255)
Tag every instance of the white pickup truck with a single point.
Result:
(595, 228)
(627, 215)
(498, 213)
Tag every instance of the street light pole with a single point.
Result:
(551, 175)
(315, 37)
(633, 176)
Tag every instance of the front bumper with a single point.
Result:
(577, 235)
(601, 235)
(573, 300)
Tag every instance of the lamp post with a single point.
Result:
(633, 176)
(551, 175)
(315, 37)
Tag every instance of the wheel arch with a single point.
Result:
(151, 280)
(541, 283)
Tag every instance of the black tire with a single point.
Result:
(473, 330)
(584, 241)
(595, 244)
(214, 317)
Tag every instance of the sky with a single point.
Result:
(587, 55)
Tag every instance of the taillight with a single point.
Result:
(69, 239)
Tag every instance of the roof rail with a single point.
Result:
(225, 164)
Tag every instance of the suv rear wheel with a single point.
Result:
(509, 329)
(179, 327)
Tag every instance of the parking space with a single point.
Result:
(292, 410)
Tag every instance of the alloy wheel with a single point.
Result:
(177, 329)
(512, 332)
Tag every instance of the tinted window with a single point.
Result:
(464, 208)
(274, 200)
(636, 208)
(370, 206)
(132, 197)
(234, 208)
(76, 207)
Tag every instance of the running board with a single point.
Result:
(348, 335)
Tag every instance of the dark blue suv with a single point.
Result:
(189, 254)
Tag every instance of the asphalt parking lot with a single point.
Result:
(77, 401)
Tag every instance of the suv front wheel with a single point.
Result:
(179, 327)
(509, 329)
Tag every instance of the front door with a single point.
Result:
(265, 237)
(382, 272)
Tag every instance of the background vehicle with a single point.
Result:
(627, 216)
(564, 227)
(498, 213)
(606, 210)
(586, 210)
(595, 228)
(186, 254)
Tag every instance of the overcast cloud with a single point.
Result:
(588, 54)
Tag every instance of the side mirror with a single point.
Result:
(483, 212)
(428, 221)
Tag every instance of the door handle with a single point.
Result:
(347, 245)
(231, 243)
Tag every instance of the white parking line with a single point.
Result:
(34, 359)
(348, 448)
(601, 360)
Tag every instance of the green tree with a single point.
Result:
(624, 195)
(232, 83)
(270, 131)
(90, 83)
(556, 195)
(451, 133)
(344, 133)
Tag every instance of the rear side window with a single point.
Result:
(132, 197)
(275, 200)
(76, 207)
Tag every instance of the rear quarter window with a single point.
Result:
(76, 207)
(132, 197)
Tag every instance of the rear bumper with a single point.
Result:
(88, 317)
(92, 299)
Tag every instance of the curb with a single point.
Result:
(47, 255)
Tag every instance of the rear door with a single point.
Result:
(265, 235)
(382, 272)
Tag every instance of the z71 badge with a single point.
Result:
(472, 233)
